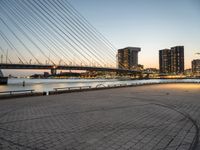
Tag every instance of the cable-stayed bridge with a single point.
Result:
(52, 34)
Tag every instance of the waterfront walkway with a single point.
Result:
(153, 117)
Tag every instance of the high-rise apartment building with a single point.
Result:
(171, 61)
(177, 59)
(164, 60)
(196, 66)
(128, 57)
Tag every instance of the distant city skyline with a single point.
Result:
(149, 24)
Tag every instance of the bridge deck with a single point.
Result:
(28, 66)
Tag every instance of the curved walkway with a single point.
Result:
(155, 117)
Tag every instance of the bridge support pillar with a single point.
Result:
(53, 71)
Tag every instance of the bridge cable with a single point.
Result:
(5, 55)
(12, 46)
(20, 41)
(79, 27)
(83, 25)
(27, 36)
(71, 33)
(76, 28)
(55, 20)
(90, 28)
(37, 23)
(34, 34)
(88, 24)
(52, 24)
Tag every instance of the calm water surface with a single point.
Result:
(50, 84)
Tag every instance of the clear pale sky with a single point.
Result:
(149, 24)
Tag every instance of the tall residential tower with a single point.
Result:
(128, 57)
(171, 61)
(196, 67)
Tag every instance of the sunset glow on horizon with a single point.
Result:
(149, 24)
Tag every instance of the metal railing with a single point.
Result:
(100, 86)
(72, 88)
(15, 92)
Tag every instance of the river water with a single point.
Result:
(49, 84)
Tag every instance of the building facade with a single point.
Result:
(128, 57)
(196, 67)
(171, 61)
(164, 60)
(177, 59)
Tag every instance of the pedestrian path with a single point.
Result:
(154, 117)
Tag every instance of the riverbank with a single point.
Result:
(46, 85)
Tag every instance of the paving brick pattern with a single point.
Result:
(157, 117)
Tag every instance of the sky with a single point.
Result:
(149, 24)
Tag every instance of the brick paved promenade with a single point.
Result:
(154, 117)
